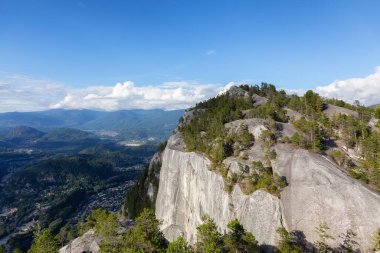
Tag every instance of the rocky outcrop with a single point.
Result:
(318, 191)
(237, 91)
(188, 190)
(333, 110)
(85, 243)
(254, 126)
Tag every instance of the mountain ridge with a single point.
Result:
(181, 214)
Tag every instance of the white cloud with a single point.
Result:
(365, 89)
(210, 52)
(20, 93)
(168, 96)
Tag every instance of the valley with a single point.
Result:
(55, 176)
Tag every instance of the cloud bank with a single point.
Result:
(20, 93)
(366, 89)
(168, 96)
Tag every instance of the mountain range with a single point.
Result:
(125, 124)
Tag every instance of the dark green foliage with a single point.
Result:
(137, 198)
(313, 136)
(179, 245)
(62, 186)
(2, 249)
(296, 139)
(268, 139)
(377, 112)
(340, 103)
(66, 234)
(262, 178)
(338, 156)
(44, 242)
(287, 243)
(205, 133)
(273, 183)
(209, 240)
(268, 111)
(370, 168)
(311, 105)
(163, 146)
(146, 235)
(243, 137)
(238, 240)
(95, 218)
(352, 130)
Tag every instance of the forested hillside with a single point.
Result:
(349, 134)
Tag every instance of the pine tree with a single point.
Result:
(44, 242)
(209, 240)
(238, 240)
(179, 245)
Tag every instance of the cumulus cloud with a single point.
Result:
(20, 93)
(365, 89)
(168, 96)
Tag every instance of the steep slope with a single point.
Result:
(318, 191)
(188, 190)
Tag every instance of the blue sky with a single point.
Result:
(294, 44)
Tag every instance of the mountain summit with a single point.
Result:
(289, 162)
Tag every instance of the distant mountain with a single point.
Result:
(67, 135)
(23, 133)
(125, 124)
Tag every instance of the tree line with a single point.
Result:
(145, 236)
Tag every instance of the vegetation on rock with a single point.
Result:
(316, 131)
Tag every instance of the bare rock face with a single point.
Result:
(318, 191)
(188, 190)
(373, 124)
(255, 126)
(258, 101)
(86, 243)
(293, 114)
(333, 110)
(237, 91)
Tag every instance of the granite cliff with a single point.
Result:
(318, 191)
